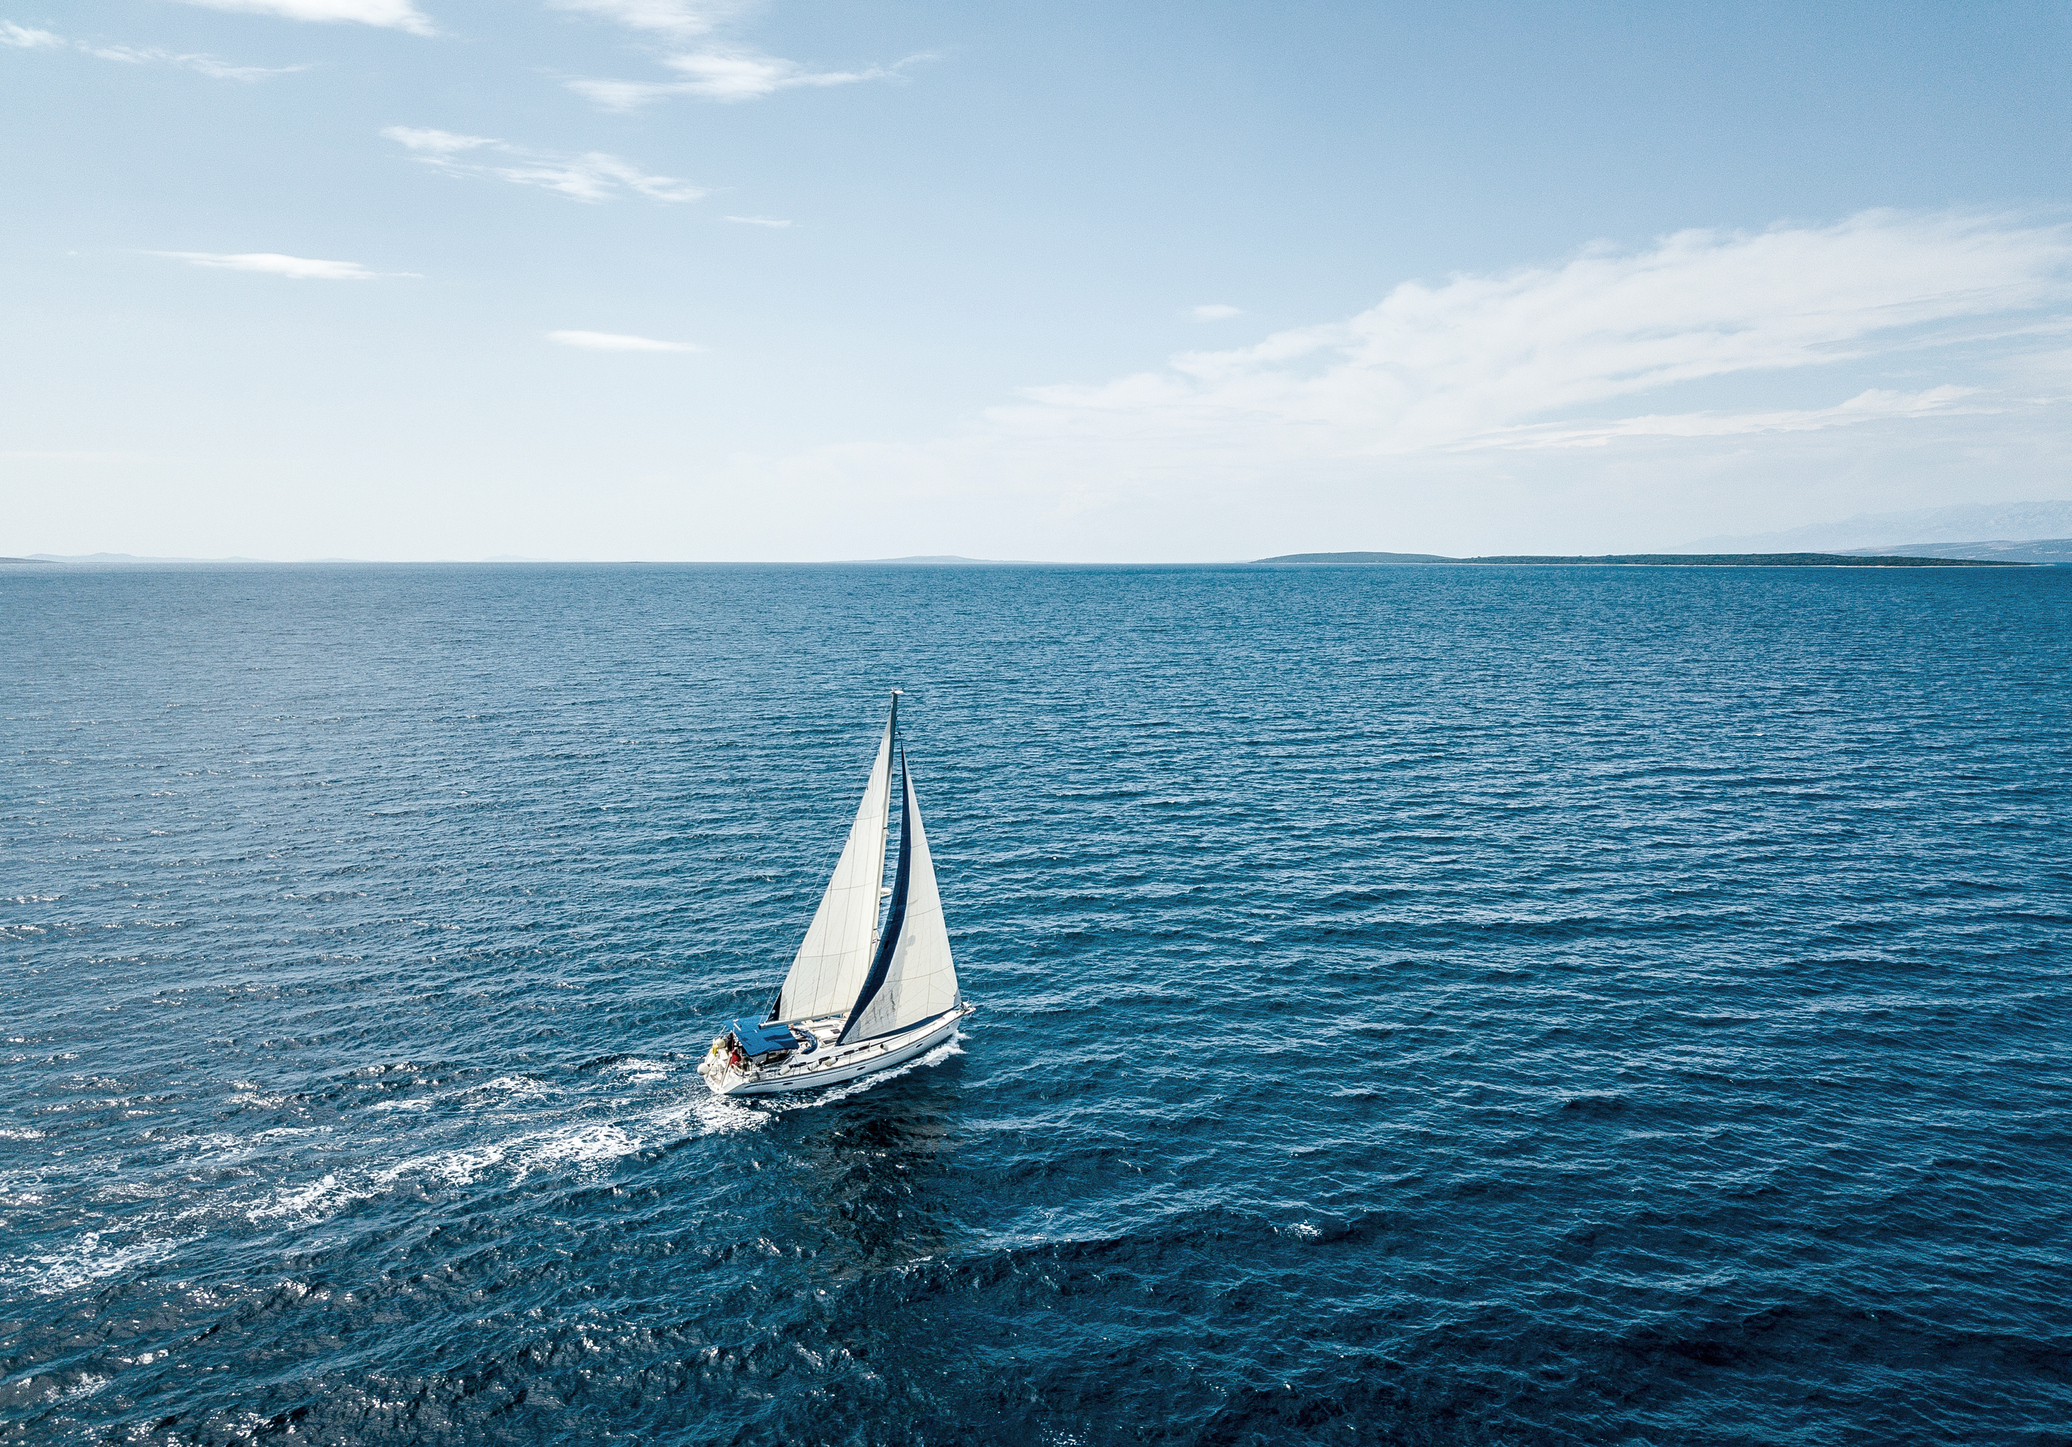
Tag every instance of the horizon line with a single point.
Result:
(1926, 552)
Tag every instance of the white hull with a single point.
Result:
(830, 1064)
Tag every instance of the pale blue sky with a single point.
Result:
(1067, 281)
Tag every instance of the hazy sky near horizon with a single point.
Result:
(710, 280)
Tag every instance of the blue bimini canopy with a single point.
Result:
(759, 1037)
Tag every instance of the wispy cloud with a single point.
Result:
(1215, 312)
(207, 65)
(716, 70)
(732, 75)
(663, 17)
(1574, 404)
(757, 221)
(729, 75)
(1875, 404)
(272, 263)
(427, 141)
(618, 342)
(388, 14)
(1470, 359)
(22, 38)
(589, 176)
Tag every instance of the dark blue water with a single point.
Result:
(1417, 1005)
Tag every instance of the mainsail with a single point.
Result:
(913, 977)
(831, 965)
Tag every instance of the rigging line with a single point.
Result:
(879, 923)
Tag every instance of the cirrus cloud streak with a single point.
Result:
(726, 76)
(20, 37)
(589, 176)
(384, 14)
(273, 263)
(665, 17)
(715, 71)
(1474, 360)
(618, 342)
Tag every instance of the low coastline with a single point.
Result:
(1639, 560)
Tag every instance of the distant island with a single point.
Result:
(1645, 560)
(935, 559)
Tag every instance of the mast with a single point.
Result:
(878, 916)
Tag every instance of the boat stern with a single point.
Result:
(725, 1070)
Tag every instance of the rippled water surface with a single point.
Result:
(1417, 1005)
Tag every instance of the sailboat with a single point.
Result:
(864, 993)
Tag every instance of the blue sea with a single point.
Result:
(1417, 1005)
